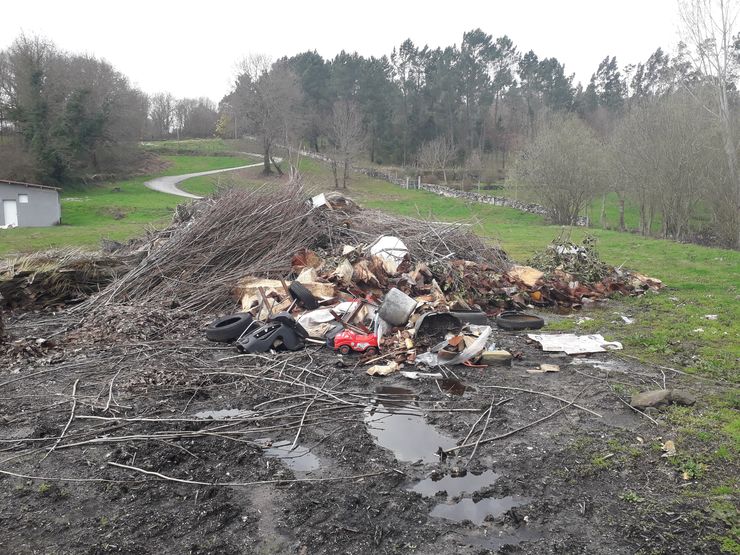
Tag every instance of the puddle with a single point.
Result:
(467, 509)
(495, 539)
(399, 426)
(452, 386)
(300, 458)
(455, 486)
(223, 414)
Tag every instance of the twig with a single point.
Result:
(71, 417)
(539, 393)
(110, 390)
(521, 428)
(246, 484)
(483, 431)
(633, 408)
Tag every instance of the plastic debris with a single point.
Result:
(383, 369)
(572, 344)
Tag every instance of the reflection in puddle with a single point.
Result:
(467, 509)
(495, 539)
(223, 414)
(300, 458)
(455, 486)
(399, 426)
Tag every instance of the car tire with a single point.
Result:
(372, 351)
(513, 320)
(228, 328)
(301, 294)
(345, 350)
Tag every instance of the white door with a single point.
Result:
(10, 213)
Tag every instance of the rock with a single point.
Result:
(662, 397)
(646, 399)
(682, 397)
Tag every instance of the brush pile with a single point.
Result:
(195, 263)
(56, 277)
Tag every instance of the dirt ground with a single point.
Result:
(142, 388)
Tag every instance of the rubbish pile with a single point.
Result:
(422, 293)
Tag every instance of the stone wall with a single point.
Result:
(469, 196)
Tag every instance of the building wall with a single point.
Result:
(43, 208)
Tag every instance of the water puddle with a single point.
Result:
(452, 386)
(467, 509)
(300, 458)
(495, 539)
(223, 414)
(396, 424)
(455, 485)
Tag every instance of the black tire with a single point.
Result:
(301, 294)
(372, 351)
(345, 350)
(228, 328)
(512, 320)
(475, 317)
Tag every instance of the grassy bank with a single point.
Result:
(117, 210)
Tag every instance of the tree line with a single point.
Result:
(65, 117)
(659, 134)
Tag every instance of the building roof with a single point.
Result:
(36, 185)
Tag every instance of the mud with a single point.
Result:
(152, 396)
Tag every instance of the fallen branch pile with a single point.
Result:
(195, 264)
(55, 277)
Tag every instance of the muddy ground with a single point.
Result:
(151, 394)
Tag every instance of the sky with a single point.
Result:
(190, 48)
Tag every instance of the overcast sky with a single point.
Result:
(190, 47)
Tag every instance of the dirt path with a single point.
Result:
(168, 183)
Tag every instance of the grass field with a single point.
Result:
(117, 211)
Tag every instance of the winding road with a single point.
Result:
(168, 183)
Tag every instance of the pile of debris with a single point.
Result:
(56, 277)
(399, 290)
(420, 292)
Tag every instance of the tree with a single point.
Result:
(662, 152)
(269, 98)
(436, 155)
(162, 114)
(709, 28)
(564, 164)
(346, 137)
(74, 115)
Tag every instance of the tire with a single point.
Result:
(345, 349)
(475, 317)
(301, 294)
(372, 351)
(512, 320)
(228, 328)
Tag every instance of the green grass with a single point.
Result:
(118, 210)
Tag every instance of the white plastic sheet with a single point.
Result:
(391, 251)
(572, 344)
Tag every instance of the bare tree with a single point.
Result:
(436, 155)
(663, 154)
(709, 29)
(162, 111)
(346, 137)
(564, 165)
(269, 98)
